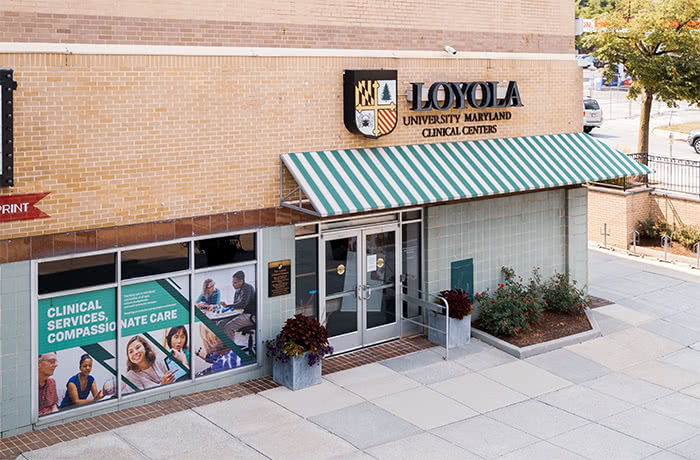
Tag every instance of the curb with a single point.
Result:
(539, 348)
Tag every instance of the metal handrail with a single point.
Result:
(430, 306)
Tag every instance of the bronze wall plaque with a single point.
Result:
(279, 278)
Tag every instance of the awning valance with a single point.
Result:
(337, 182)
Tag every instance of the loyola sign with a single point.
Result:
(461, 95)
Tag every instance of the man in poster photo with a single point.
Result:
(244, 302)
(48, 399)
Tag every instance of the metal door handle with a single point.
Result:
(369, 292)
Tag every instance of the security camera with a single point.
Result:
(450, 50)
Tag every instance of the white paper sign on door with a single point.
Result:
(372, 262)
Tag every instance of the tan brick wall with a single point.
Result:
(128, 139)
(547, 17)
(75, 28)
(676, 211)
(621, 211)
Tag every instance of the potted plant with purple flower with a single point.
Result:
(460, 320)
(297, 352)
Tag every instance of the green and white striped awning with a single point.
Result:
(340, 182)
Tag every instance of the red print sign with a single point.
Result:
(21, 207)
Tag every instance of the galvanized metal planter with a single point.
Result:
(460, 330)
(296, 373)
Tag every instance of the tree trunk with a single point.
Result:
(643, 138)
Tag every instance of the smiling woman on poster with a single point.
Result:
(142, 368)
(80, 386)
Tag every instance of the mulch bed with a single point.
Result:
(552, 325)
(676, 248)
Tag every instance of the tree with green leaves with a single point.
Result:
(593, 8)
(658, 42)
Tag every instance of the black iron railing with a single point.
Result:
(672, 174)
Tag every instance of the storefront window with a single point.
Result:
(411, 260)
(154, 347)
(213, 252)
(78, 359)
(76, 350)
(155, 260)
(306, 265)
(80, 272)
(224, 334)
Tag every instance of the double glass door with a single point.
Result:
(360, 274)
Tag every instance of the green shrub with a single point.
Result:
(513, 307)
(650, 228)
(561, 294)
(687, 235)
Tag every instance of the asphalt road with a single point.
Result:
(621, 123)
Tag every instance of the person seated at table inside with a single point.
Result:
(142, 368)
(81, 385)
(244, 303)
(210, 296)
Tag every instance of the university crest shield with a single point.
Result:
(370, 101)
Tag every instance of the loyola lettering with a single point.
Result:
(459, 95)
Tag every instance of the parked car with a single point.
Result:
(587, 61)
(694, 140)
(592, 115)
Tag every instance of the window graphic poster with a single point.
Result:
(224, 335)
(155, 338)
(76, 345)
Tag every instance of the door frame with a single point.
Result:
(362, 337)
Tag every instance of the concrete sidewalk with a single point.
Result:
(633, 393)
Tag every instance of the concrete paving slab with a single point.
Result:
(526, 378)
(599, 442)
(585, 402)
(485, 437)
(538, 419)
(688, 359)
(628, 287)
(688, 289)
(357, 455)
(569, 365)
(421, 447)
(651, 427)
(485, 359)
(478, 392)
(325, 397)
(366, 425)
(105, 446)
(626, 388)
(669, 298)
(412, 361)
(474, 346)
(693, 391)
(425, 408)
(685, 320)
(655, 310)
(672, 331)
(678, 406)
(540, 451)
(608, 324)
(300, 439)
(382, 386)
(360, 374)
(648, 278)
(187, 432)
(664, 374)
(246, 415)
(648, 343)
(436, 372)
(607, 294)
(666, 455)
(625, 314)
(689, 449)
(608, 353)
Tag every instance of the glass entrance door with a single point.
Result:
(360, 303)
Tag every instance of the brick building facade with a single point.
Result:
(157, 129)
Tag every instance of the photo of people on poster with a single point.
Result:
(224, 335)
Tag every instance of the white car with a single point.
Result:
(586, 61)
(592, 115)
